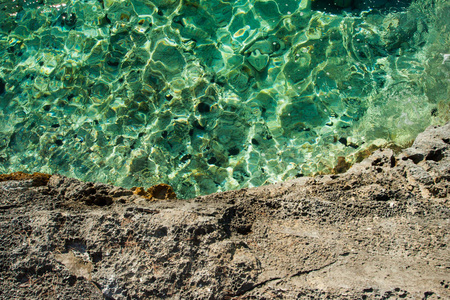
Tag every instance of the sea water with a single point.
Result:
(214, 95)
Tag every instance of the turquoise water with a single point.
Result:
(209, 95)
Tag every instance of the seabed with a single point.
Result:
(209, 95)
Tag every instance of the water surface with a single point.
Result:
(209, 95)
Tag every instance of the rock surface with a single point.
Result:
(378, 231)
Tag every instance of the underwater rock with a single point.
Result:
(341, 166)
(157, 192)
(267, 9)
(301, 113)
(258, 61)
(38, 179)
(67, 20)
(167, 57)
(403, 28)
(239, 79)
(119, 11)
(271, 46)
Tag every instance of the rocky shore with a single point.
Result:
(378, 231)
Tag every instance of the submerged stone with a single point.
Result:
(156, 192)
(258, 61)
(38, 179)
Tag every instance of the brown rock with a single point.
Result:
(341, 166)
(39, 179)
(157, 192)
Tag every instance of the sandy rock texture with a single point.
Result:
(378, 231)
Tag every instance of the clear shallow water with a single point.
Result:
(215, 95)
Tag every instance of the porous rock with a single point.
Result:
(380, 230)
